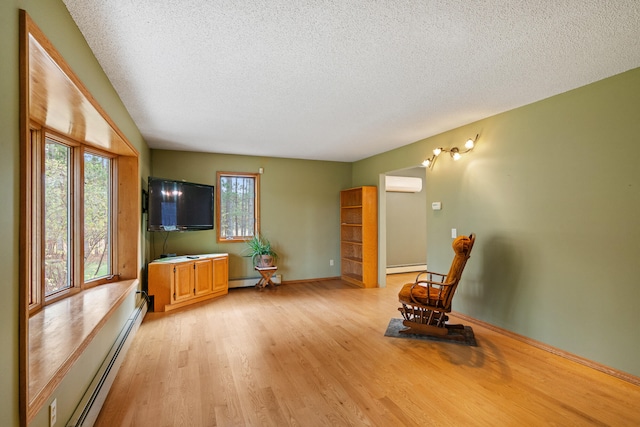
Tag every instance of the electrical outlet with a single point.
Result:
(53, 413)
(330, 262)
(454, 233)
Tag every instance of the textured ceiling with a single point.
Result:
(343, 79)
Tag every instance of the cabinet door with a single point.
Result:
(203, 277)
(183, 281)
(160, 284)
(220, 274)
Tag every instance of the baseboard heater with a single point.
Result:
(395, 269)
(251, 281)
(89, 407)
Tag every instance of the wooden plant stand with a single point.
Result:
(266, 273)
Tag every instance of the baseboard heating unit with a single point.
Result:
(89, 407)
(395, 269)
(247, 282)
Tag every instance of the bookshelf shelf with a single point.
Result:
(359, 236)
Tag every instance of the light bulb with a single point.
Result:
(456, 156)
(426, 163)
(469, 144)
(437, 151)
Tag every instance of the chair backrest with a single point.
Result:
(462, 246)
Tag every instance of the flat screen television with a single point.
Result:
(179, 205)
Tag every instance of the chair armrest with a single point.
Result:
(436, 286)
(439, 278)
(431, 283)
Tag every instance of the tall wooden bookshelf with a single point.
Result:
(359, 236)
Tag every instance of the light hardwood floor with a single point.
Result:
(315, 354)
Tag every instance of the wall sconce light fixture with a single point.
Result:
(454, 152)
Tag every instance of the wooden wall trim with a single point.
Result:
(553, 350)
(53, 97)
(25, 207)
(59, 100)
(291, 282)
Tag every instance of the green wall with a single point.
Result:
(552, 191)
(299, 211)
(54, 20)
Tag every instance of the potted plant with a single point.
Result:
(261, 252)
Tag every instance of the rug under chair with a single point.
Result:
(456, 336)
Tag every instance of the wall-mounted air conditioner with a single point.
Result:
(403, 184)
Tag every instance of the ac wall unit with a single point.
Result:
(403, 184)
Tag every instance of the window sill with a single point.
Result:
(60, 332)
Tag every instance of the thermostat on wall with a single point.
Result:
(436, 206)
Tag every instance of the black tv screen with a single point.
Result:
(179, 205)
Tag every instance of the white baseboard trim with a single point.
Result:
(251, 281)
(89, 407)
(243, 283)
(406, 268)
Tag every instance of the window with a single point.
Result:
(78, 166)
(57, 217)
(75, 219)
(97, 217)
(237, 205)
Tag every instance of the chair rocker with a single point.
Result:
(426, 302)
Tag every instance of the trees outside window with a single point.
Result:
(97, 206)
(75, 212)
(237, 205)
(57, 217)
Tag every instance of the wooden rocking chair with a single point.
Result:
(426, 302)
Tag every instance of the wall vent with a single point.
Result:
(403, 184)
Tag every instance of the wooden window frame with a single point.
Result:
(37, 296)
(113, 218)
(256, 226)
(54, 101)
(38, 247)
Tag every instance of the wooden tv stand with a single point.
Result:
(179, 281)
